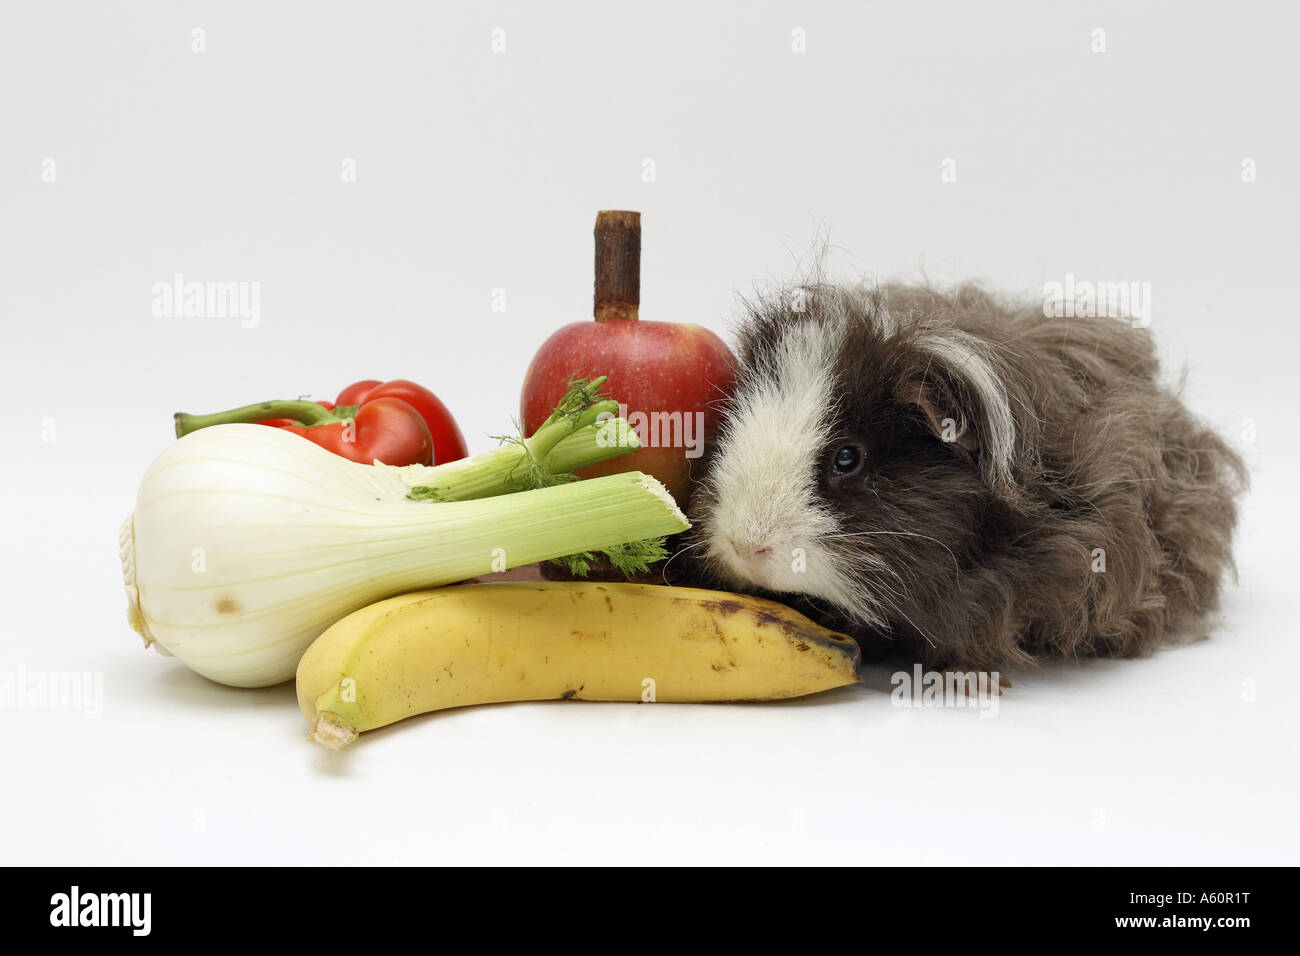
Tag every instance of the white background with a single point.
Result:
(479, 171)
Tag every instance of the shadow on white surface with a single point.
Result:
(175, 685)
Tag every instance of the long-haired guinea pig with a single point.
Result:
(960, 482)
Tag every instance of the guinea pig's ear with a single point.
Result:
(954, 383)
(937, 405)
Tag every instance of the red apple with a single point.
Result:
(666, 376)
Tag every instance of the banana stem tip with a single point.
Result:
(331, 731)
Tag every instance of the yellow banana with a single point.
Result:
(487, 643)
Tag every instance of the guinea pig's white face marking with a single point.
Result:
(769, 526)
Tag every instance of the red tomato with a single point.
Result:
(385, 429)
(448, 442)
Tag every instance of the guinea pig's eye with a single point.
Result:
(846, 459)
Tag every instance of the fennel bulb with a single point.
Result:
(247, 541)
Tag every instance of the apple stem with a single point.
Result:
(618, 265)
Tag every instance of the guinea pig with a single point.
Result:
(960, 481)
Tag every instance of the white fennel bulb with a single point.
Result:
(248, 541)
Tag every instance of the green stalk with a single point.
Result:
(304, 412)
(506, 531)
(592, 444)
(576, 435)
(514, 467)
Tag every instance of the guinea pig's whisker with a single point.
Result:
(882, 598)
(726, 396)
(816, 605)
(904, 534)
(890, 600)
(664, 569)
(928, 639)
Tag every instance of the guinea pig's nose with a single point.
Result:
(750, 551)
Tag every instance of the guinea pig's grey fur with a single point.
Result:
(1018, 486)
